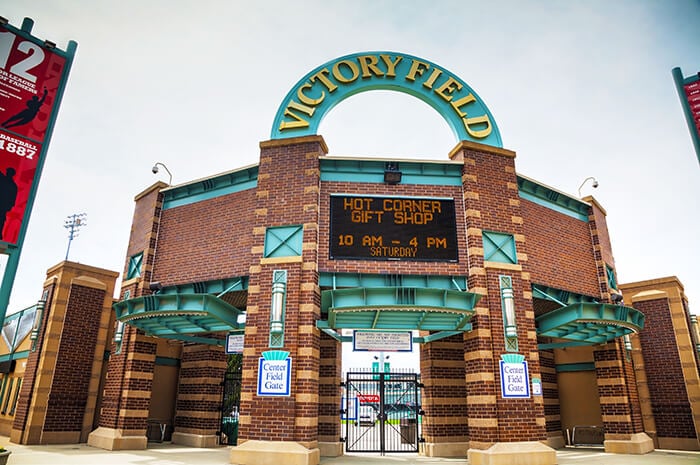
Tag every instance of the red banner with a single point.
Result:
(30, 76)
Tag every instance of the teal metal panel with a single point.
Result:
(499, 247)
(570, 367)
(210, 188)
(319, 91)
(167, 361)
(542, 195)
(15, 356)
(372, 171)
(562, 297)
(340, 280)
(283, 241)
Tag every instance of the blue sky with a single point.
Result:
(577, 88)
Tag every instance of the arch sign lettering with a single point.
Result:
(319, 91)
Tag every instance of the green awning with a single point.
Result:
(180, 316)
(589, 323)
(398, 308)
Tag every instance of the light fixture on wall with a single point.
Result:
(589, 178)
(118, 337)
(155, 170)
(36, 327)
(277, 307)
(392, 175)
(510, 327)
(155, 287)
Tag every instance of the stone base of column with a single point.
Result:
(115, 439)
(274, 453)
(556, 440)
(445, 449)
(195, 440)
(639, 443)
(331, 449)
(512, 453)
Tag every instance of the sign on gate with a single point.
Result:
(382, 341)
(234, 343)
(274, 373)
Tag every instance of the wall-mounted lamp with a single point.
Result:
(392, 175)
(155, 170)
(277, 307)
(36, 327)
(594, 184)
(695, 331)
(118, 337)
(155, 286)
(628, 342)
(508, 306)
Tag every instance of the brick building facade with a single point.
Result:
(511, 275)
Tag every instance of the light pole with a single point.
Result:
(589, 178)
(155, 170)
(73, 223)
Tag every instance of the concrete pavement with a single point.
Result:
(168, 454)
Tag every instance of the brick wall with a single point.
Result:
(205, 240)
(670, 402)
(559, 250)
(198, 404)
(444, 395)
(68, 398)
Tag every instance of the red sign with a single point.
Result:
(368, 398)
(692, 93)
(30, 76)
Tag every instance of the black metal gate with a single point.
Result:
(381, 412)
(230, 403)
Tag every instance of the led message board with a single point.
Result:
(393, 228)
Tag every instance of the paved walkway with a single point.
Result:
(167, 454)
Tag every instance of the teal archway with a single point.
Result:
(305, 106)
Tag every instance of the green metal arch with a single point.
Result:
(319, 91)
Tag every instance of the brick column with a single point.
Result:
(58, 399)
(127, 394)
(550, 393)
(329, 392)
(666, 363)
(492, 202)
(284, 427)
(198, 403)
(444, 398)
(619, 403)
(129, 384)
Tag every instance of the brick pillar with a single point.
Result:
(198, 403)
(287, 195)
(619, 403)
(127, 394)
(129, 384)
(492, 203)
(444, 398)
(329, 392)
(58, 398)
(666, 363)
(550, 393)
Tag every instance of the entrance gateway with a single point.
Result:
(465, 251)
